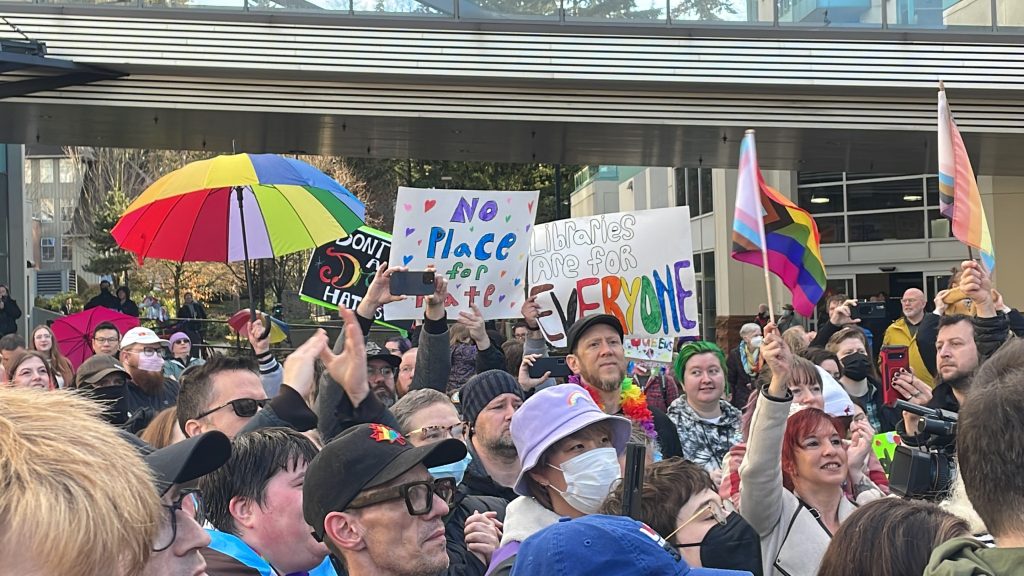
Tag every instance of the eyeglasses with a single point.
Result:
(243, 407)
(719, 512)
(438, 433)
(148, 352)
(190, 502)
(110, 340)
(419, 496)
(384, 371)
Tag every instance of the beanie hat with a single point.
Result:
(484, 387)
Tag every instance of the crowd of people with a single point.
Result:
(440, 454)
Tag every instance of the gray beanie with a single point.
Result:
(482, 388)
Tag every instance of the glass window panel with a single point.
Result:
(693, 191)
(46, 210)
(818, 177)
(66, 167)
(884, 195)
(707, 190)
(710, 308)
(886, 226)
(821, 199)
(831, 229)
(940, 14)
(46, 171)
(931, 185)
(938, 225)
(27, 175)
(720, 11)
(407, 7)
(680, 174)
(833, 13)
(65, 249)
(47, 249)
(67, 212)
(525, 8)
(1009, 13)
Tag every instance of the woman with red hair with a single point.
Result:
(794, 470)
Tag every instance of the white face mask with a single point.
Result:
(589, 478)
(756, 341)
(152, 363)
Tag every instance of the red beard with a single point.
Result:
(151, 383)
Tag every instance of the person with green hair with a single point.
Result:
(707, 424)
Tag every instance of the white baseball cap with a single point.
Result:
(141, 335)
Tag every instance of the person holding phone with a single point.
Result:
(904, 331)
(796, 466)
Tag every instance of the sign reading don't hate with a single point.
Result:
(478, 240)
(637, 266)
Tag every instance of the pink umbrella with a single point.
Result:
(74, 332)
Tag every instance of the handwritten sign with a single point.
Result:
(477, 239)
(649, 349)
(637, 266)
(339, 272)
(884, 446)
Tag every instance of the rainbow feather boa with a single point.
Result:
(632, 401)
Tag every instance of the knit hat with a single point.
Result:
(553, 414)
(479, 390)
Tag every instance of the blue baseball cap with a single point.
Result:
(598, 544)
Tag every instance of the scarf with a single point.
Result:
(750, 363)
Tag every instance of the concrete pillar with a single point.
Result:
(15, 215)
(1003, 199)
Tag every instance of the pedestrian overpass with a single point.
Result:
(849, 89)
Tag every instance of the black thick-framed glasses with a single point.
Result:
(243, 407)
(418, 496)
(190, 502)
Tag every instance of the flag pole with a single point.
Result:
(764, 246)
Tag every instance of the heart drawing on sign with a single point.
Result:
(503, 272)
(406, 260)
(501, 298)
(408, 207)
(428, 205)
(530, 205)
(409, 231)
(516, 282)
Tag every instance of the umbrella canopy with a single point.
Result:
(193, 213)
(74, 332)
(278, 329)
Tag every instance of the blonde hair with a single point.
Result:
(76, 498)
(160, 432)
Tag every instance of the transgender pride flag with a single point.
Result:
(959, 197)
(767, 226)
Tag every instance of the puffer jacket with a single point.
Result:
(705, 443)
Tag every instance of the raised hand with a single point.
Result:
(525, 381)
(349, 368)
(378, 293)
(474, 321)
(841, 314)
(977, 285)
(433, 307)
(940, 302)
(298, 366)
(531, 313)
(914, 391)
(255, 329)
(779, 358)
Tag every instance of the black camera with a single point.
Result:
(928, 471)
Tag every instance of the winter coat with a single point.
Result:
(479, 483)
(9, 317)
(968, 557)
(704, 443)
(174, 366)
(882, 418)
(128, 307)
(462, 562)
(104, 299)
(524, 517)
(463, 365)
(433, 357)
(898, 334)
(229, 555)
(793, 539)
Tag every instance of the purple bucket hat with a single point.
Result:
(552, 414)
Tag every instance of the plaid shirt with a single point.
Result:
(661, 390)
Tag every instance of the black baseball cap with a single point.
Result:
(577, 330)
(362, 457)
(184, 461)
(375, 352)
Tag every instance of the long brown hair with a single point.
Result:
(160, 432)
(890, 537)
(58, 361)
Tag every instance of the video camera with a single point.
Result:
(928, 471)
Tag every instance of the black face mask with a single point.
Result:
(113, 398)
(735, 546)
(856, 366)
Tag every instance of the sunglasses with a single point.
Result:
(243, 407)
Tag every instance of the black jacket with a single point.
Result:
(128, 307)
(462, 562)
(9, 316)
(740, 383)
(478, 482)
(668, 435)
(105, 299)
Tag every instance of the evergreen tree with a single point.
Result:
(108, 258)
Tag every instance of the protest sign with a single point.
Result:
(637, 266)
(884, 446)
(339, 272)
(478, 240)
(649, 349)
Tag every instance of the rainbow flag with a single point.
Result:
(959, 197)
(767, 221)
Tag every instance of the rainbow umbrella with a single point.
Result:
(278, 330)
(236, 208)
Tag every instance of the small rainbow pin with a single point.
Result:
(382, 433)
